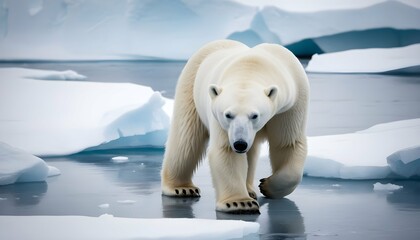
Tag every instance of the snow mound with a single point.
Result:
(367, 60)
(79, 30)
(19, 166)
(64, 117)
(386, 187)
(109, 227)
(364, 154)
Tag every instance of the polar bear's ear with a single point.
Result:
(214, 91)
(271, 92)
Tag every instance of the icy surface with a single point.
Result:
(385, 187)
(65, 117)
(367, 60)
(363, 154)
(109, 227)
(80, 30)
(19, 166)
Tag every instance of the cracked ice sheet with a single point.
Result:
(46, 117)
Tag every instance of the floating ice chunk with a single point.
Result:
(19, 166)
(120, 159)
(336, 185)
(363, 154)
(386, 187)
(367, 60)
(107, 227)
(126, 201)
(104, 205)
(67, 117)
(53, 171)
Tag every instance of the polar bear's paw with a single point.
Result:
(182, 191)
(273, 189)
(239, 206)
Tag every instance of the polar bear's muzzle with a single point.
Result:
(241, 134)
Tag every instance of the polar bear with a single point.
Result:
(229, 99)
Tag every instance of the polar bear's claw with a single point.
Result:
(240, 207)
(252, 194)
(263, 188)
(183, 192)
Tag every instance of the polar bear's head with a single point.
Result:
(242, 112)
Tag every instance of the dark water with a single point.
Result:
(318, 209)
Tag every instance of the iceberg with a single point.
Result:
(110, 227)
(19, 166)
(321, 26)
(375, 60)
(49, 118)
(386, 150)
(174, 29)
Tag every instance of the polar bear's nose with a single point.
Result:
(240, 146)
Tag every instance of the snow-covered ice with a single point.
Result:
(79, 30)
(64, 117)
(19, 166)
(385, 187)
(109, 227)
(363, 154)
(368, 60)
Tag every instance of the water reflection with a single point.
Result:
(407, 198)
(22, 194)
(282, 221)
(173, 207)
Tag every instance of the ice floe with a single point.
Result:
(386, 187)
(19, 166)
(404, 59)
(367, 154)
(110, 227)
(120, 159)
(47, 118)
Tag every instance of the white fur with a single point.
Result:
(230, 93)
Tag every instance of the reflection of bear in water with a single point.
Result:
(235, 97)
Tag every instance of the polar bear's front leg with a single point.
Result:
(229, 173)
(184, 149)
(287, 164)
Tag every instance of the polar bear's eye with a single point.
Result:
(229, 116)
(253, 116)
